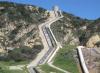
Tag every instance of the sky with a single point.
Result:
(89, 9)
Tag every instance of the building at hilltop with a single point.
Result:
(55, 12)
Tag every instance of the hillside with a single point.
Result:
(93, 33)
(75, 30)
(71, 29)
(19, 34)
(19, 29)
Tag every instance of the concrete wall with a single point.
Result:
(85, 69)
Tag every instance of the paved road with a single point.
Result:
(18, 67)
(53, 66)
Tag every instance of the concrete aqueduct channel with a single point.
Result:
(51, 46)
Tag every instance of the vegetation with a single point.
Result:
(64, 59)
(11, 62)
(5, 69)
(98, 44)
(15, 17)
(74, 24)
(21, 55)
(20, 16)
(12, 71)
(47, 69)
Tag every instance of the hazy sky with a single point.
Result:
(89, 9)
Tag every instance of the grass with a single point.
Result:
(12, 71)
(14, 63)
(47, 69)
(64, 59)
(5, 69)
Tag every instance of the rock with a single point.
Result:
(75, 41)
(93, 40)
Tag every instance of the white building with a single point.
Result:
(56, 12)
